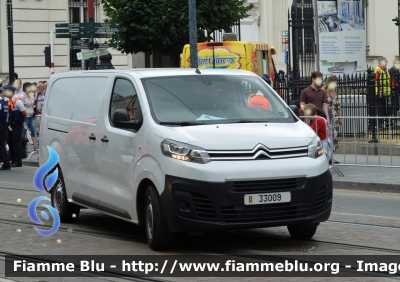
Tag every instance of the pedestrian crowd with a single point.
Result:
(319, 104)
(20, 111)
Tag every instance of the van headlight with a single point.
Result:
(315, 148)
(184, 152)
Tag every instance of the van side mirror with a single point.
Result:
(122, 120)
(295, 110)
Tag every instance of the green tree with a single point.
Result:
(163, 25)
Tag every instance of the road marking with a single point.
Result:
(363, 224)
(338, 213)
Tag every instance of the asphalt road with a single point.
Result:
(366, 203)
(344, 201)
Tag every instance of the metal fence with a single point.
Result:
(362, 94)
(367, 152)
(218, 35)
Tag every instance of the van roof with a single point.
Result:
(154, 72)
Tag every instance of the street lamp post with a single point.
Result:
(193, 34)
(397, 22)
(90, 4)
(10, 42)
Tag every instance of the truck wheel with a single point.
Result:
(157, 233)
(302, 231)
(68, 211)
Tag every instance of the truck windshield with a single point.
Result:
(210, 99)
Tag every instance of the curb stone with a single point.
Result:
(30, 164)
(367, 186)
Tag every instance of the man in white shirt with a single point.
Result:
(39, 100)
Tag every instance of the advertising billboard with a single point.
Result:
(342, 37)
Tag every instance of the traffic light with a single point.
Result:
(47, 56)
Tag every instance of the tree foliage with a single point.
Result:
(163, 25)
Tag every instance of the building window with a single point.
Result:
(78, 13)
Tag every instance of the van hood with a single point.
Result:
(241, 136)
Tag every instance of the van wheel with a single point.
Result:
(302, 231)
(68, 211)
(157, 233)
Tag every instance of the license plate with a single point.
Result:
(269, 198)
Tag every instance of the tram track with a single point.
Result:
(272, 257)
(244, 232)
(247, 232)
(130, 277)
(19, 189)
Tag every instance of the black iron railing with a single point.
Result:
(365, 94)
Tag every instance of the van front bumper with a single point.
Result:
(196, 206)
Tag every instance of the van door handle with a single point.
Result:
(104, 139)
(92, 137)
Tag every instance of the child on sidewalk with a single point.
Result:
(319, 126)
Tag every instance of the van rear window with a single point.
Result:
(89, 98)
(78, 98)
(61, 98)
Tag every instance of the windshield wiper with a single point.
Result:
(250, 121)
(181, 123)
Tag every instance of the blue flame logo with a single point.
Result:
(43, 176)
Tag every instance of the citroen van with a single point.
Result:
(181, 150)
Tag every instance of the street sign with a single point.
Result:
(285, 48)
(72, 25)
(285, 58)
(87, 35)
(95, 46)
(105, 35)
(91, 54)
(107, 45)
(66, 30)
(81, 46)
(285, 41)
(80, 42)
(109, 25)
(108, 29)
(73, 35)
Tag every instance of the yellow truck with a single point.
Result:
(250, 56)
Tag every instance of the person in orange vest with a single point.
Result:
(258, 100)
(17, 116)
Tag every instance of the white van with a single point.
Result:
(180, 151)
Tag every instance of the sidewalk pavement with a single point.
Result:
(355, 177)
(34, 160)
(366, 173)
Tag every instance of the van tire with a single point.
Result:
(157, 233)
(68, 212)
(302, 231)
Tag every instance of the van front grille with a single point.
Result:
(259, 152)
(203, 206)
(260, 186)
(262, 213)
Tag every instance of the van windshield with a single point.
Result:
(209, 99)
